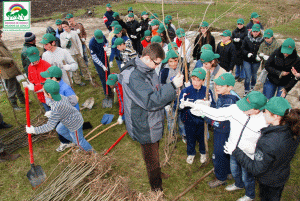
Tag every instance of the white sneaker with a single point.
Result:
(190, 159)
(70, 145)
(245, 198)
(232, 187)
(184, 139)
(203, 158)
(61, 147)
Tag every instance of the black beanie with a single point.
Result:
(29, 37)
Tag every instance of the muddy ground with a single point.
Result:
(16, 39)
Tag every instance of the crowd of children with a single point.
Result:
(152, 57)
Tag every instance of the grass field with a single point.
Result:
(14, 184)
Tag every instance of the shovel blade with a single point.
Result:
(107, 103)
(107, 119)
(36, 176)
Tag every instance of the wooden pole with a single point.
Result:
(192, 186)
(205, 123)
(184, 61)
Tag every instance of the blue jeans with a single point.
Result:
(85, 56)
(194, 133)
(243, 179)
(170, 119)
(269, 89)
(251, 74)
(240, 71)
(101, 74)
(47, 107)
(75, 137)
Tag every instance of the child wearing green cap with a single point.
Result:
(154, 25)
(251, 62)
(115, 53)
(58, 56)
(224, 85)
(62, 111)
(170, 70)
(282, 67)
(238, 36)
(254, 20)
(113, 83)
(227, 52)
(204, 37)
(130, 12)
(194, 125)
(181, 39)
(246, 120)
(126, 51)
(55, 73)
(133, 30)
(108, 17)
(119, 20)
(59, 29)
(70, 41)
(144, 23)
(210, 63)
(269, 45)
(147, 40)
(274, 149)
(37, 65)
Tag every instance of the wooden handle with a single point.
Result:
(103, 131)
(93, 130)
(192, 186)
(185, 63)
(91, 138)
(205, 123)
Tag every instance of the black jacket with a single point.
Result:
(145, 26)
(251, 45)
(241, 34)
(227, 56)
(122, 24)
(250, 25)
(197, 49)
(277, 63)
(273, 154)
(131, 29)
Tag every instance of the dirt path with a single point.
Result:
(16, 39)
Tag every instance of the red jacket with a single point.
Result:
(119, 90)
(145, 43)
(36, 79)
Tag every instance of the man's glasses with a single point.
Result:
(155, 62)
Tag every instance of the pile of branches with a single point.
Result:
(88, 177)
(18, 138)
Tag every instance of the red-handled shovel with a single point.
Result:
(36, 174)
(107, 101)
(115, 143)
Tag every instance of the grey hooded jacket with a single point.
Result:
(144, 101)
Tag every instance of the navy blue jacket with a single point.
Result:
(98, 50)
(192, 93)
(110, 18)
(223, 101)
(115, 53)
(273, 154)
(250, 25)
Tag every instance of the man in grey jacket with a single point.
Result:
(144, 102)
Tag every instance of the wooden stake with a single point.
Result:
(184, 61)
(205, 123)
(192, 186)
